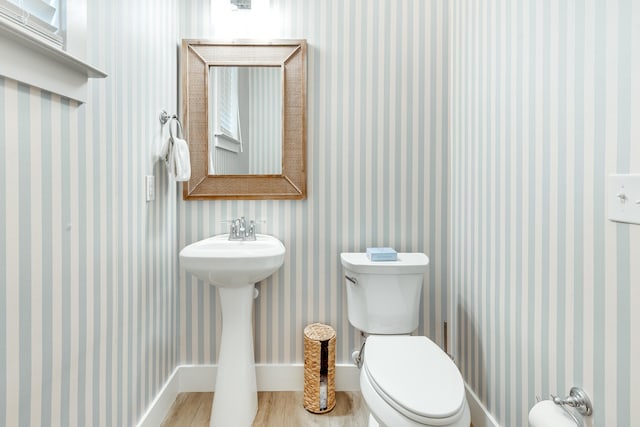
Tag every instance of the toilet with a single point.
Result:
(405, 380)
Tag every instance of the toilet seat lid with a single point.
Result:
(414, 376)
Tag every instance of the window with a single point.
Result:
(43, 44)
(227, 99)
(227, 133)
(41, 17)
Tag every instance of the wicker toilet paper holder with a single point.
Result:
(319, 368)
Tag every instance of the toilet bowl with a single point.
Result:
(406, 381)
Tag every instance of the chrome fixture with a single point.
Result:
(577, 399)
(353, 280)
(240, 231)
(165, 117)
(241, 4)
(358, 355)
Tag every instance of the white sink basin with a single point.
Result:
(230, 263)
(234, 266)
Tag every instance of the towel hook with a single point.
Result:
(165, 117)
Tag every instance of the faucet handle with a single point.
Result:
(255, 222)
(251, 231)
(233, 229)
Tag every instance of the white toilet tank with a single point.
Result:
(383, 297)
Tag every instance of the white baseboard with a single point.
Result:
(162, 403)
(480, 416)
(269, 377)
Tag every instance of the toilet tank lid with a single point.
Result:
(407, 263)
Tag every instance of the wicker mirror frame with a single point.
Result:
(196, 58)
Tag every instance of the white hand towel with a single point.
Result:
(166, 154)
(181, 160)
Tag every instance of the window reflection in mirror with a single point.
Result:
(245, 117)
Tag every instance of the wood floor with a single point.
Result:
(277, 409)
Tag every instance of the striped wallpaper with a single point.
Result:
(87, 297)
(544, 104)
(377, 172)
(95, 313)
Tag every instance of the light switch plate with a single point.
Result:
(150, 187)
(623, 198)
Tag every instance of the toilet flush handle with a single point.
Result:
(351, 279)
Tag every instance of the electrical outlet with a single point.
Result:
(150, 187)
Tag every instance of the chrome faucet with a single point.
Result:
(239, 230)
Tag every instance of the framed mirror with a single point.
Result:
(244, 117)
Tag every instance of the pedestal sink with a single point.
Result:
(234, 266)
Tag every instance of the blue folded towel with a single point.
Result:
(382, 254)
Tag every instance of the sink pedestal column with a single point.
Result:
(235, 401)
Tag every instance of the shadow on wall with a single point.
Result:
(471, 353)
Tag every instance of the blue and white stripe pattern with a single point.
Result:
(91, 319)
(87, 293)
(544, 105)
(377, 173)
(95, 314)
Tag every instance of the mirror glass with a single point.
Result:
(245, 120)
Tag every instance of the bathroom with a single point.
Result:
(481, 133)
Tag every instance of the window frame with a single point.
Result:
(226, 80)
(30, 59)
(30, 18)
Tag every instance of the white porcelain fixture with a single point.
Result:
(406, 381)
(234, 266)
(232, 263)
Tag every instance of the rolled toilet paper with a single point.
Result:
(548, 414)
